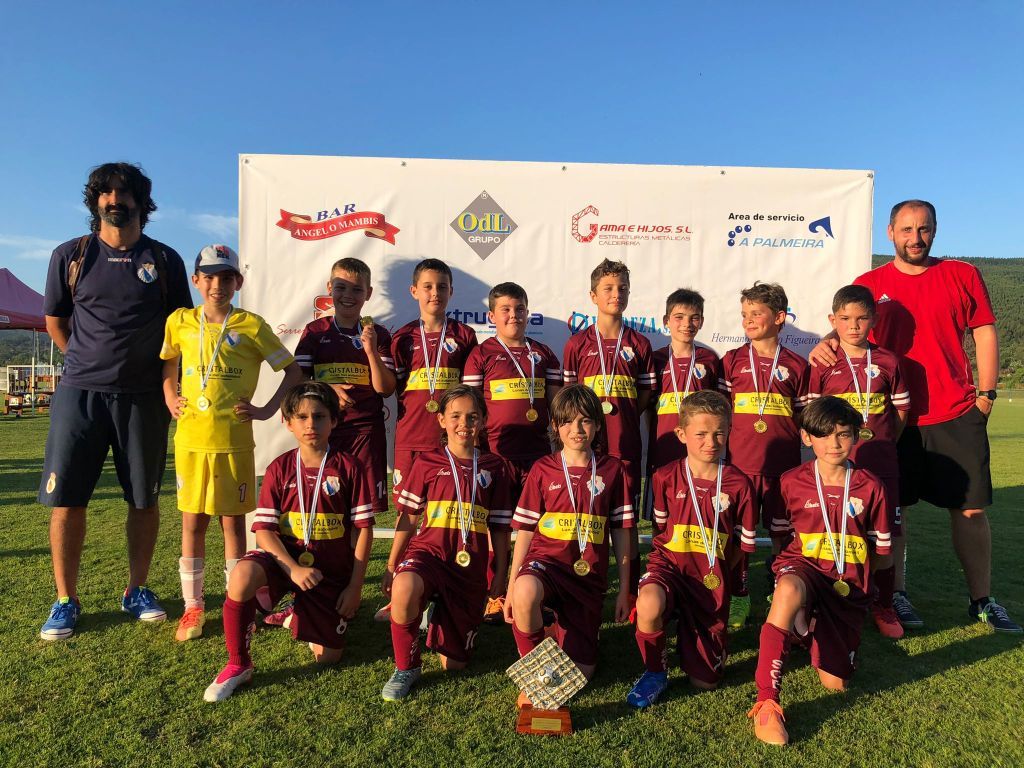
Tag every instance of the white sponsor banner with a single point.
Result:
(545, 226)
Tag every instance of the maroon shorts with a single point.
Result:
(892, 504)
(370, 446)
(700, 632)
(834, 622)
(632, 475)
(520, 469)
(402, 466)
(458, 603)
(315, 619)
(577, 605)
(768, 498)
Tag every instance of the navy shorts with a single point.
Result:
(947, 464)
(84, 426)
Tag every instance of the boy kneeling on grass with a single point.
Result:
(823, 590)
(313, 502)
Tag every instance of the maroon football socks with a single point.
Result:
(885, 578)
(527, 641)
(405, 639)
(652, 649)
(238, 626)
(771, 656)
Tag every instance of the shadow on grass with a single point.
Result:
(17, 553)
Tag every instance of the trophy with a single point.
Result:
(549, 679)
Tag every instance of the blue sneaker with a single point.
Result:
(647, 689)
(401, 682)
(63, 617)
(141, 603)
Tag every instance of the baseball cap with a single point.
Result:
(216, 258)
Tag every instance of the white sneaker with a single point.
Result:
(227, 681)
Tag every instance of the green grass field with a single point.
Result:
(124, 693)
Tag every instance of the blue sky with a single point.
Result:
(927, 95)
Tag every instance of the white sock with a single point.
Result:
(190, 569)
(229, 566)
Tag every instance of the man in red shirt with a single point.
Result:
(924, 307)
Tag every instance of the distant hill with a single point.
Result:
(1005, 281)
(1004, 277)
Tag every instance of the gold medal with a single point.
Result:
(531, 415)
(582, 567)
(711, 581)
(760, 426)
(606, 407)
(366, 321)
(866, 433)
(432, 406)
(841, 587)
(306, 559)
(202, 403)
(463, 558)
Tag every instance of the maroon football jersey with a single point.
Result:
(509, 433)
(346, 501)
(629, 373)
(888, 394)
(867, 521)
(545, 508)
(429, 490)
(335, 355)
(417, 428)
(778, 448)
(677, 542)
(707, 369)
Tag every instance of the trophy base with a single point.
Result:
(544, 722)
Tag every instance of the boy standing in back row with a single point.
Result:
(429, 353)
(871, 380)
(518, 376)
(615, 362)
(353, 354)
(768, 385)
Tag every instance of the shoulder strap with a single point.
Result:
(161, 269)
(75, 265)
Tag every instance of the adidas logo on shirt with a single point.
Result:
(883, 298)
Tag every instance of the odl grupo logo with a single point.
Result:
(585, 229)
(484, 225)
(340, 221)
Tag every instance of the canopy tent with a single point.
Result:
(20, 306)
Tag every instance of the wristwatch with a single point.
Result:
(988, 394)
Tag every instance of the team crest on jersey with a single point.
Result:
(232, 338)
(596, 486)
(331, 485)
(627, 354)
(872, 371)
(699, 371)
(396, 477)
(723, 502)
(450, 345)
(357, 342)
(147, 273)
(483, 478)
(535, 356)
(856, 506)
(782, 373)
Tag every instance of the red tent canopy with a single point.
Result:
(20, 306)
